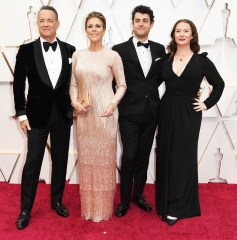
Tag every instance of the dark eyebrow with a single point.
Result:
(141, 19)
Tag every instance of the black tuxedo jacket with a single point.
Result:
(41, 94)
(140, 89)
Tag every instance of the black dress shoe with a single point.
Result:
(60, 209)
(171, 222)
(141, 203)
(121, 209)
(163, 219)
(23, 220)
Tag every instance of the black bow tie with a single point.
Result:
(47, 45)
(146, 45)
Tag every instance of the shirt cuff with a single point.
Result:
(22, 118)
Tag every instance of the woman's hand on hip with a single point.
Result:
(199, 106)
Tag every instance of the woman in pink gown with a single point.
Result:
(95, 104)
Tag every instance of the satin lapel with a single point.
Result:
(65, 64)
(134, 55)
(152, 57)
(40, 64)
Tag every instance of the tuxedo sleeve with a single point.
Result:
(19, 83)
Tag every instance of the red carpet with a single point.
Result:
(218, 220)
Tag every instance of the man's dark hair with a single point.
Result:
(51, 9)
(144, 10)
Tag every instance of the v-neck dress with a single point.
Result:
(178, 132)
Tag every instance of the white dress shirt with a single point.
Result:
(144, 56)
(53, 62)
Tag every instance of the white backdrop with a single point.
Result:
(217, 25)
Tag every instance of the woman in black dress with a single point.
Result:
(180, 115)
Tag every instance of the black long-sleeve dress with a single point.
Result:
(178, 132)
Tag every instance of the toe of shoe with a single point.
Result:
(21, 224)
(171, 222)
(62, 213)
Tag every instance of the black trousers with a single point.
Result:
(137, 139)
(37, 139)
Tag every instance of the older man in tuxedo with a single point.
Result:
(138, 109)
(47, 66)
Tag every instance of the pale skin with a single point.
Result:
(95, 32)
(141, 26)
(48, 24)
(183, 36)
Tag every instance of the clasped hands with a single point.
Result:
(80, 109)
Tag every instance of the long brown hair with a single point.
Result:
(194, 45)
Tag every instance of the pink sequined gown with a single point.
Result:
(96, 136)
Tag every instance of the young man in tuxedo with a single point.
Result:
(138, 109)
(47, 66)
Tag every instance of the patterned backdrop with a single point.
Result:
(216, 21)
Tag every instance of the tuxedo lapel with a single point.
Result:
(65, 64)
(134, 55)
(40, 63)
(152, 57)
(152, 52)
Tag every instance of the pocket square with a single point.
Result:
(69, 60)
(157, 59)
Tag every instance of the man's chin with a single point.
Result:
(141, 35)
(47, 36)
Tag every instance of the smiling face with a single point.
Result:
(183, 34)
(95, 30)
(142, 25)
(47, 24)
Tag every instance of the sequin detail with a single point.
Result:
(96, 136)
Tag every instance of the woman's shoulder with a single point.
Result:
(112, 53)
(203, 54)
(80, 52)
(203, 57)
(205, 61)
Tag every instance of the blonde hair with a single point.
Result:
(98, 15)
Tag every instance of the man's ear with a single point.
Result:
(152, 24)
(58, 24)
